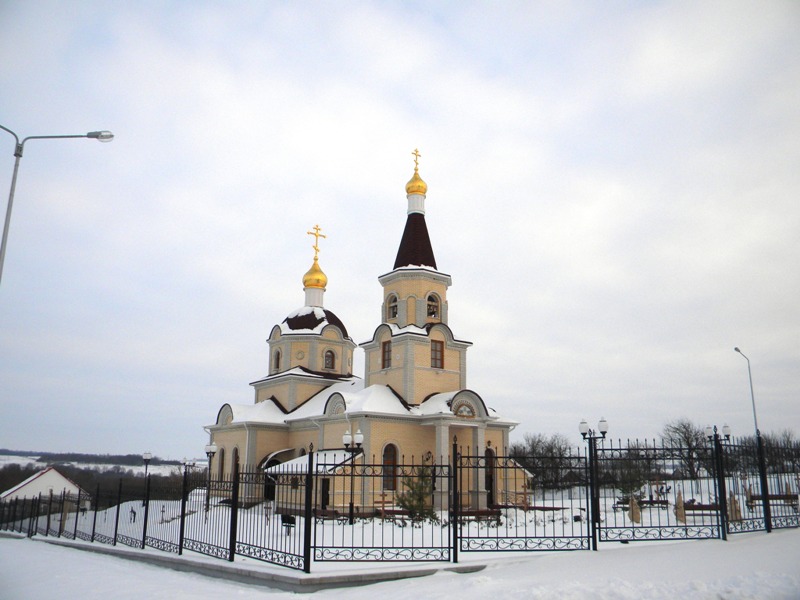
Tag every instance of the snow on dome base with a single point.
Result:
(311, 319)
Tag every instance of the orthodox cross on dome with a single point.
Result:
(316, 233)
(416, 158)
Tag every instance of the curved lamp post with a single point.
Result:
(762, 462)
(19, 147)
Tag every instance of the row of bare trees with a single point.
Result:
(683, 452)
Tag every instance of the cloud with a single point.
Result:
(612, 189)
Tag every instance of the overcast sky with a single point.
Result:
(613, 187)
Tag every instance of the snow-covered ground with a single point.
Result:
(756, 565)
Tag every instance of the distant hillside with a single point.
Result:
(132, 460)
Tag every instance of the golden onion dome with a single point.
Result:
(416, 185)
(314, 277)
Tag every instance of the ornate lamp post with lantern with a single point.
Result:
(352, 443)
(722, 501)
(592, 436)
(211, 450)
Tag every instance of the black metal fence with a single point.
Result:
(340, 506)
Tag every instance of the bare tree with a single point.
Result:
(547, 457)
(687, 442)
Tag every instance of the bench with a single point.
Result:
(527, 507)
(395, 514)
(695, 507)
(480, 514)
(328, 514)
(787, 499)
(656, 503)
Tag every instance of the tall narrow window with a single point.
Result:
(437, 354)
(276, 361)
(433, 306)
(330, 360)
(221, 463)
(390, 467)
(386, 355)
(391, 307)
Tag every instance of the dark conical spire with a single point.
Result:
(415, 246)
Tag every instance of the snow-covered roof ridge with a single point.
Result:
(300, 371)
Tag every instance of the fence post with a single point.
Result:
(722, 501)
(184, 494)
(146, 509)
(49, 510)
(116, 518)
(33, 524)
(455, 501)
(77, 514)
(61, 512)
(594, 492)
(307, 520)
(762, 471)
(96, 506)
(234, 513)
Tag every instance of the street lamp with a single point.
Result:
(146, 457)
(211, 450)
(762, 462)
(722, 501)
(19, 147)
(352, 444)
(592, 436)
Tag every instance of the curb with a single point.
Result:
(302, 583)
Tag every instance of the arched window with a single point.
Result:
(391, 307)
(276, 361)
(433, 306)
(221, 463)
(390, 467)
(330, 360)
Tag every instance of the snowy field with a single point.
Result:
(756, 565)
(25, 461)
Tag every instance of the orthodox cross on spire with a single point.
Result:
(316, 233)
(416, 159)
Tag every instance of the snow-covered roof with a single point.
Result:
(375, 399)
(311, 320)
(304, 372)
(58, 480)
(324, 461)
(261, 412)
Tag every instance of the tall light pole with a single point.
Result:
(762, 461)
(752, 395)
(19, 147)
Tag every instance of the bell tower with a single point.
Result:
(413, 350)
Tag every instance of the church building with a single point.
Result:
(413, 398)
